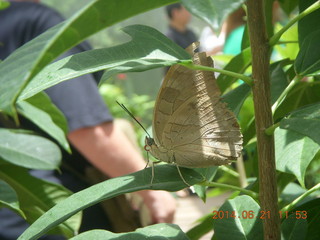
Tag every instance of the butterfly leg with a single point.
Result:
(182, 176)
(152, 173)
(148, 160)
(152, 170)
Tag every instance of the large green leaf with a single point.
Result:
(288, 5)
(238, 64)
(44, 121)
(166, 177)
(209, 174)
(308, 60)
(312, 209)
(214, 12)
(38, 196)
(294, 152)
(9, 198)
(202, 228)
(293, 228)
(305, 121)
(278, 78)
(162, 231)
(309, 23)
(294, 190)
(302, 94)
(42, 101)
(21, 66)
(28, 150)
(236, 97)
(148, 49)
(244, 224)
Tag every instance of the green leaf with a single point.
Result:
(294, 190)
(42, 101)
(305, 121)
(44, 121)
(288, 5)
(202, 228)
(308, 60)
(36, 54)
(293, 228)
(166, 177)
(238, 64)
(245, 43)
(9, 198)
(236, 97)
(309, 23)
(294, 152)
(312, 209)
(214, 12)
(28, 150)
(278, 78)
(302, 94)
(4, 4)
(245, 225)
(38, 196)
(148, 49)
(160, 231)
(209, 174)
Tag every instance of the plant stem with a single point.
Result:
(263, 115)
(229, 171)
(243, 77)
(290, 206)
(285, 92)
(275, 38)
(269, 131)
(252, 194)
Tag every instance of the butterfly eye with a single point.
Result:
(149, 141)
(147, 148)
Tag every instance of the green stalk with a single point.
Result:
(243, 77)
(229, 171)
(275, 38)
(285, 92)
(292, 205)
(269, 131)
(252, 194)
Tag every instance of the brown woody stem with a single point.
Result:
(261, 95)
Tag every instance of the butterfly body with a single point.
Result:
(191, 126)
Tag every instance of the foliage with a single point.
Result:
(139, 105)
(295, 98)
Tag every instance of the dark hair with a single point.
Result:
(170, 8)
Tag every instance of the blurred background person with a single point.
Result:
(230, 38)
(178, 30)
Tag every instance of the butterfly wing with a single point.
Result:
(192, 122)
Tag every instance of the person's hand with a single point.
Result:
(161, 205)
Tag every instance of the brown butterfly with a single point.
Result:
(191, 126)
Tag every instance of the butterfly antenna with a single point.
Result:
(133, 117)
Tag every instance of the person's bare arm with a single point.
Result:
(109, 150)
